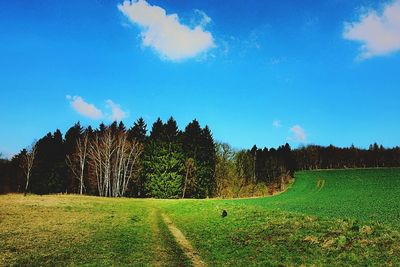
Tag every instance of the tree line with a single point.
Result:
(167, 162)
(258, 171)
(114, 161)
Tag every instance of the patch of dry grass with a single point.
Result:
(64, 230)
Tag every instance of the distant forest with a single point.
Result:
(116, 161)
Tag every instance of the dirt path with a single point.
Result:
(171, 247)
(183, 242)
(162, 255)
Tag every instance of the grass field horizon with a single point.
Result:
(326, 217)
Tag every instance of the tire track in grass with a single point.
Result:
(183, 242)
(320, 184)
(160, 252)
(167, 251)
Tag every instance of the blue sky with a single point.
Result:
(257, 72)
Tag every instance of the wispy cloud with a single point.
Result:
(379, 33)
(117, 113)
(204, 18)
(92, 112)
(85, 109)
(298, 134)
(165, 33)
(277, 124)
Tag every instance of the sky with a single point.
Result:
(257, 72)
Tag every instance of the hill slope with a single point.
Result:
(334, 218)
(363, 194)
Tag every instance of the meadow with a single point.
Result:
(333, 217)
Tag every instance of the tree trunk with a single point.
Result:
(184, 186)
(27, 184)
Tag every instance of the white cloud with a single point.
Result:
(379, 33)
(165, 34)
(276, 124)
(92, 112)
(298, 134)
(84, 108)
(117, 113)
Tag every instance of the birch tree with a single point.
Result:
(77, 161)
(126, 163)
(27, 164)
(115, 161)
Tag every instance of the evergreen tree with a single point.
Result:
(102, 128)
(198, 144)
(171, 131)
(157, 131)
(39, 178)
(207, 158)
(164, 172)
(121, 127)
(5, 175)
(57, 180)
(113, 127)
(71, 137)
(191, 139)
(138, 131)
(289, 161)
(17, 173)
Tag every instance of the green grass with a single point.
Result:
(340, 217)
(333, 218)
(73, 230)
(368, 195)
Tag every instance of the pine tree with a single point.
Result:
(208, 160)
(71, 137)
(121, 127)
(138, 131)
(157, 131)
(50, 172)
(164, 172)
(57, 182)
(102, 128)
(171, 131)
(198, 144)
(113, 127)
(191, 139)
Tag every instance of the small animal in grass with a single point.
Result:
(224, 214)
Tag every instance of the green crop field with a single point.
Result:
(332, 218)
(363, 194)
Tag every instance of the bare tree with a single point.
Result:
(125, 163)
(27, 164)
(97, 151)
(77, 161)
(115, 161)
(225, 171)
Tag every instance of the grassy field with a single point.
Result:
(334, 218)
(363, 194)
(73, 230)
